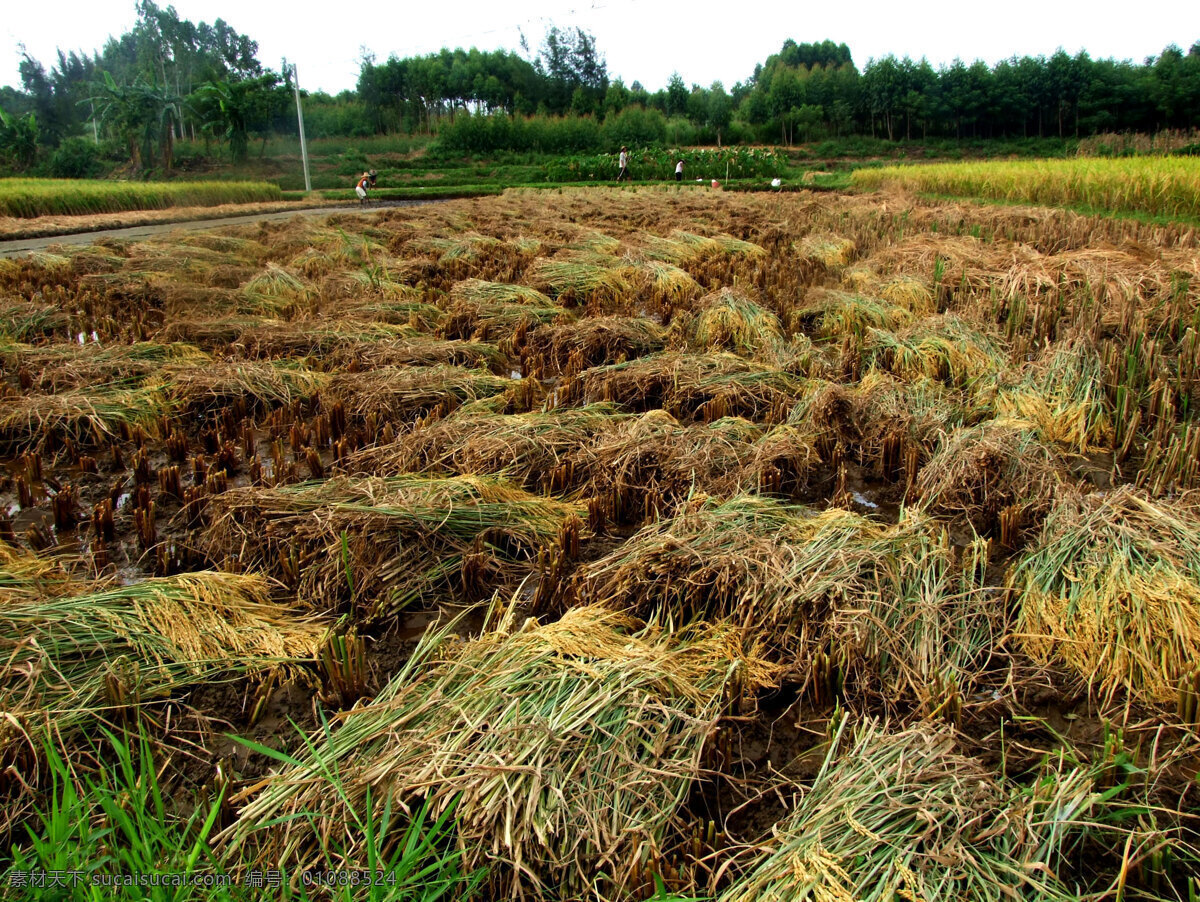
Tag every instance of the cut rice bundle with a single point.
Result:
(69, 658)
(829, 314)
(261, 383)
(384, 544)
(1113, 589)
(1063, 397)
(994, 469)
(535, 449)
(944, 348)
(405, 393)
(692, 386)
(565, 750)
(904, 816)
(649, 465)
(595, 341)
(727, 320)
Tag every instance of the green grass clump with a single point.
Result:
(29, 198)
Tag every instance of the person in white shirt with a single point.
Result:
(623, 162)
(679, 171)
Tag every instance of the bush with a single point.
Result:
(634, 126)
(76, 158)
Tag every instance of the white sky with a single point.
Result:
(643, 40)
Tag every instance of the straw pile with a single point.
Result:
(603, 281)
(829, 313)
(566, 750)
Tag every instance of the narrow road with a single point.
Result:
(21, 246)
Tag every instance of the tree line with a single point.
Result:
(168, 79)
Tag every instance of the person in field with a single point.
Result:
(623, 162)
(366, 181)
(679, 171)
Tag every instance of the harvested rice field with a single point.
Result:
(608, 545)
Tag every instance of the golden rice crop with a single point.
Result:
(27, 198)
(1160, 186)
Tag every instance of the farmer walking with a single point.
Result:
(679, 171)
(623, 162)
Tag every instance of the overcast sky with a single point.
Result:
(643, 40)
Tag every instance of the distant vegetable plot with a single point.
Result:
(28, 198)
(1159, 186)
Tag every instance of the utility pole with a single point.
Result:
(300, 119)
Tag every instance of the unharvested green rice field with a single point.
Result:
(606, 545)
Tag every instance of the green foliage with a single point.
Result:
(18, 139)
(122, 821)
(652, 164)
(76, 158)
(116, 823)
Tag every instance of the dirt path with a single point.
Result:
(17, 247)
